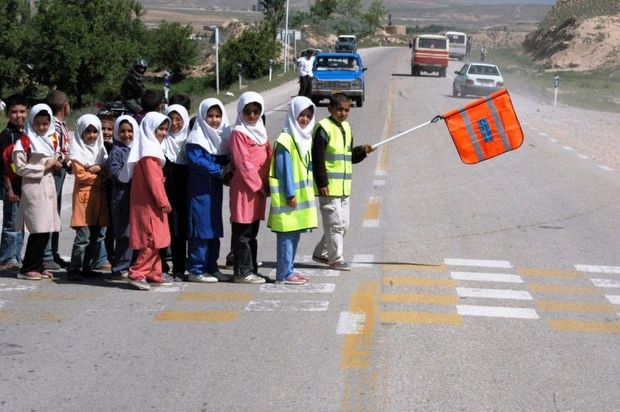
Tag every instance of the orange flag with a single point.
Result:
(485, 128)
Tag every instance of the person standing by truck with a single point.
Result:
(305, 74)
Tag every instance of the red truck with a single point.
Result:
(429, 53)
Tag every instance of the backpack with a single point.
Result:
(7, 157)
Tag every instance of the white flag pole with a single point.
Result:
(381, 143)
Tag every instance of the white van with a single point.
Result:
(458, 44)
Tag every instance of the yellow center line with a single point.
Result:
(356, 348)
(429, 318)
(567, 274)
(416, 281)
(383, 158)
(565, 325)
(432, 299)
(565, 306)
(563, 289)
(372, 208)
(215, 296)
(198, 316)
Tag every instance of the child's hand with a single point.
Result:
(52, 163)
(324, 191)
(167, 209)
(13, 198)
(292, 202)
(94, 169)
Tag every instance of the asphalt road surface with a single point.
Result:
(475, 287)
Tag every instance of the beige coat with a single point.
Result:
(38, 212)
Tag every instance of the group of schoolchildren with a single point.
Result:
(150, 187)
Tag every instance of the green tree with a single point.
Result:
(275, 11)
(172, 48)
(324, 8)
(375, 14)
(77, 45)
(14, 15)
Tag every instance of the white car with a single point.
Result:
(480, 79)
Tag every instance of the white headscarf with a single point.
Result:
(134, 126)
(84, 153)
(174, 143)
(255, 131)
(42, 144)
(214, 141)
(145, 144)
(302, 136)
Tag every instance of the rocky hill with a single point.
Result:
(578, 35)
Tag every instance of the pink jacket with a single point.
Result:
(148, 224)
(251, 165)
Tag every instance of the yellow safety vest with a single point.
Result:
(282, 217)
(337, 157)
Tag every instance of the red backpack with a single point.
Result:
(7, 156)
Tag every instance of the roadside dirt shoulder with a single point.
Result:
(592, 133)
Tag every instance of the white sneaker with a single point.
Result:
(201, 278)
(251, 278)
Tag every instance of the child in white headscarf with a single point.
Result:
(175, 172)
(90, 205)
(293, 206)
(126, 131)
(149, 205)
(35, 156)
(250, 154)
(208, 152)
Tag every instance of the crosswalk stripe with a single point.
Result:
(567, 325)
(287, 306)
(215, 296)
(363, 261)
(430, 318)
(486, 277)
(421, 267)
(493, 293)
(563, 289)
(615, 299)
(606, 283)
(416, 281)
(419, 298)
(580, 307)
(168, 289)
(497, 312)
(198, 316)
(351, 323)
(307, 288)
(312, 273)
(549, 273)
(478, 263)
(16, 288)
(598, 269)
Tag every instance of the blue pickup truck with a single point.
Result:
(338, 73)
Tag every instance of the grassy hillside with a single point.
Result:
(580, 10)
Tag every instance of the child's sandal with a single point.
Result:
(29, 276)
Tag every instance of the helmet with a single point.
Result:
(141, 63)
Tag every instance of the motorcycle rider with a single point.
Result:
(133, 86)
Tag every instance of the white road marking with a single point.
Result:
(478, 262)
(2, 302)
(606, 168)
(380, 173)
(543, 134)
(615, 299)
(303, 259)
(15, 288)
(287, 306)
(363, 261)
(606, 283)
(378, 183)
(486, 277)
(598, 269)
(307, 288)
(169, 289)
(497, 312)
(494, 293)
(568, 148)
(312, 273)
(115, 309)
(371, 223)
(554, 140)
(350, 323)
(582, 156)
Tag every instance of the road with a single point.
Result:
(475, 287)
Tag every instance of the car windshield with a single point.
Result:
(336, 63)
(487, 70)
(432, 43)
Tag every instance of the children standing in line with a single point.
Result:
(35, 157)
(250, 154)
(90, 205)
(149, 205)
(12, 239)
(208, 152)
(293, 205)
(175, 172)
(125, 132)
(333, 155)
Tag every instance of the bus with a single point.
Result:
(458, 44)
